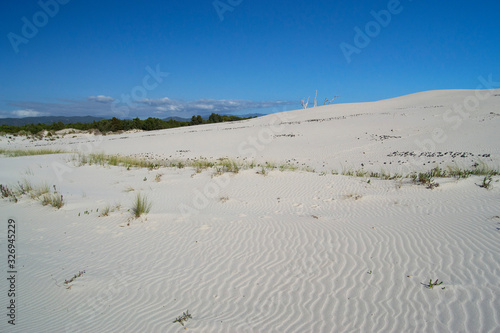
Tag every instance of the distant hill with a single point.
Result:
(222, 114)
(177, 118)
(251, 115)
(47, 120)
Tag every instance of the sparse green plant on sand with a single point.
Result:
(67, 282)
(270, 165)
(200, 165)
(35, 192)
(158, 177)
(114, 160)
(105, 211)
(286, 166)
(263, 171)
(181, 319)
(486, 182)
(54, 199)
(424, 178)
(141, 205)
(228, 165)
(431, 284)
(153, 166)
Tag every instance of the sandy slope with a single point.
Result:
(287, 252)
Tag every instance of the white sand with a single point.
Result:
(291, 251)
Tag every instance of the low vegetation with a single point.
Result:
(67, 283)
(424, 178)
(200, 165)
(105, 211)
(30, 152)
(431, 284)
(54, 199)
(486, 182)
(41, 192)
(223, 165)
(141, 205)
(227, 165)
(8, 193)
(115, 125)
(181, 319)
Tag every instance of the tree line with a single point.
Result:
(114, 124)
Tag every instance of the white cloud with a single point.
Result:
(206, 106)
(154, 102)
(107, 107)
(101, 99)
(27, 113)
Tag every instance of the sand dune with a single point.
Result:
(288, 251)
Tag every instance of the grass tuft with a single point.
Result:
(228, 165)
(105, 211)
(54, 199)
(141, 205)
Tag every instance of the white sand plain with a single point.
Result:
(290, 251)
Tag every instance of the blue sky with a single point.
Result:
(180, 58)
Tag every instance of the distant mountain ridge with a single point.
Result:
(222, 114)
(48, 120)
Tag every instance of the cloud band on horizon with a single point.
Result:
(106, 106)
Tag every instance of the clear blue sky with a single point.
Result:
(233, 56)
